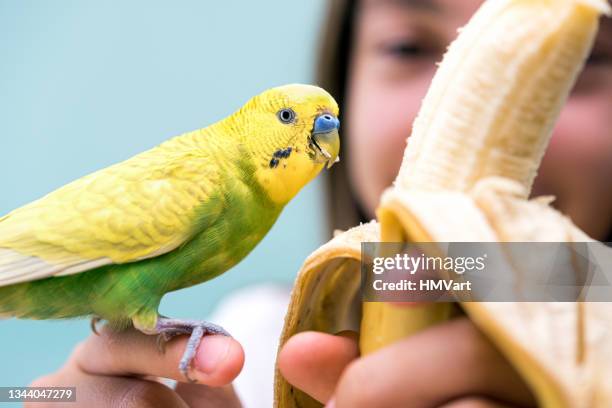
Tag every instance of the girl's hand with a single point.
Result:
(120, 369)
(449, 365)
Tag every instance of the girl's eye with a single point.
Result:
(405, 49)
(286, 115)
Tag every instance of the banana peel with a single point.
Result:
(560, 348)
(467, 171)
(326, 298)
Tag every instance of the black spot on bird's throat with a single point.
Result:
(282, 153)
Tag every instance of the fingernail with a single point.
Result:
(331, 403)
(212, 352)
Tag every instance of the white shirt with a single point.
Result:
(254, 316)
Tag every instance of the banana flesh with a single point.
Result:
(493, 102)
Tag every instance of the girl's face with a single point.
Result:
(396, 44)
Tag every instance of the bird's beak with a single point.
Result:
(326, 139)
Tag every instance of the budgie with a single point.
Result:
(111, 244)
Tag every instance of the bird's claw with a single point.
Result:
(162, 339)
(92, 324)
(169, 328)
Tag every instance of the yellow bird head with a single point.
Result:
(290, 133)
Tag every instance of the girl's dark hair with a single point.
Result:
(344, 210)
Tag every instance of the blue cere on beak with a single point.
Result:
(325, 123)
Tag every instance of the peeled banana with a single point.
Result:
(466, 175)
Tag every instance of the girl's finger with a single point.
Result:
(197, 395)
(107, 391)
(440, 364)
(475, 402)
(313, 362)
(218, 359)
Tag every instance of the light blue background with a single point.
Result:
(84, 84)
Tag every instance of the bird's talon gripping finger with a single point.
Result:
(211, 328)
(92, 324)
(168, 328)
(162, 339)
(165, 336)
(192, 346)
(184, 366)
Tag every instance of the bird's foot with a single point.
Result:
(168, 328)
(94, 323)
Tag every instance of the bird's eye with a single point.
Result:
(286, 115)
